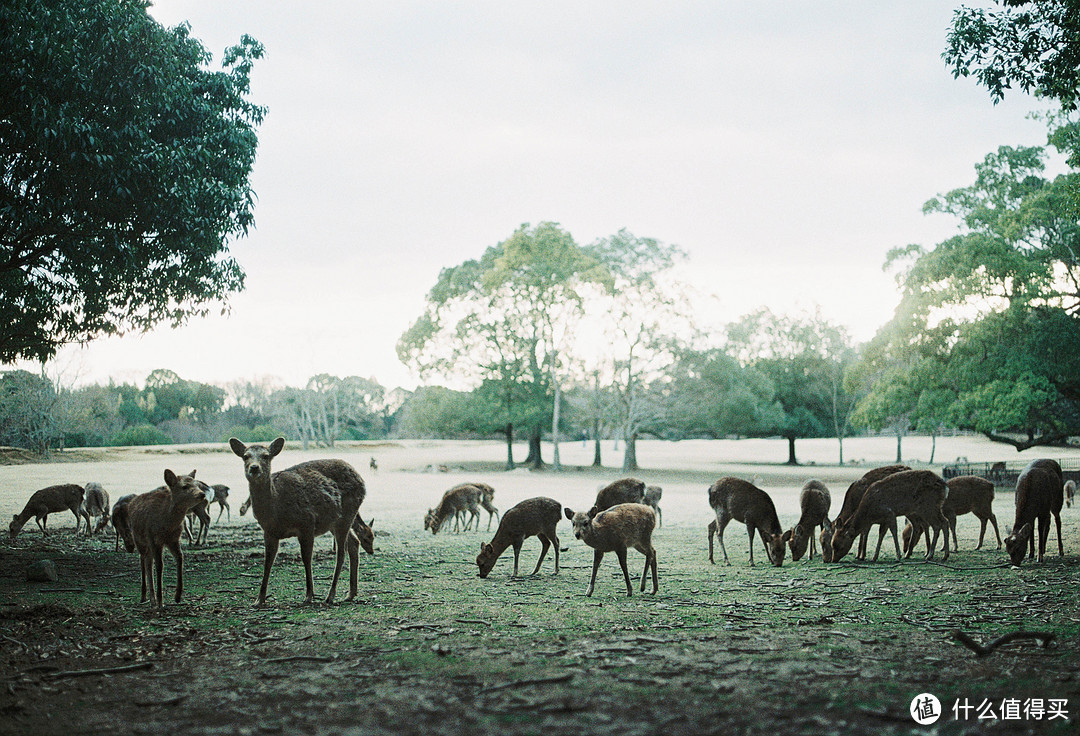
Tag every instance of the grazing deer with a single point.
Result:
(1036, 495)
(534, 517)
(121, 524)
(967, 494)
(303, 501)
(626, 490)
(852, 499)
(487, 495)
(456, 502)
(48, 501)
(156, 519)
(653, 494)
(734, 498)
(814, 501)
(1070, 492)
(616, 529)
(95, 503)
(913, 493)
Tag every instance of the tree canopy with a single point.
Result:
(989, 322)
(125, 171)
(1033, 44)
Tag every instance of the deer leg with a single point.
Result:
(307, 545)
(993, 520)
(543, 551)
(1044, 534)
(178, 556)
(880, 538)
(159, 564)
(354, 565)
(1057, 521)
(42, 521)
(621, 554)
(270, 545)
(517, 554)
(555, 543)
(860, 553)
(750, 533)
(144, 569)
(712, 532)
(597, 556)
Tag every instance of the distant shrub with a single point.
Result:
(143, 434)
(258, 433)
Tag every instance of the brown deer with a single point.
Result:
(304, 501)
(533, 517)
(66, 497)
(1057, 497)
(221, 498)
(200, 511)
(734, 498)
(156, 519)
(617, 529)
(95, 503)
(653, 494)
(814, 501)
(121, 524)
(456, 502)
(1070, 492)
(852, 498)
(626, 490)
(967, 494)
(487, 496)
(1036, 495)
(914, 493)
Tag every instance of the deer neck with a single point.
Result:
(263, 495)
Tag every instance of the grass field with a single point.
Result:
(430, 648)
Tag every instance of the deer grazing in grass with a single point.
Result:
(1039, 491)
(967, 494)
(304, 501)
(734, 498)
(121, 524)
(95, 503)
(156, 519)
(66, 497)
(534, 517)
(852, 499)
(456, 502)
(617, 529)
(487, 495)
(917, 494)
(814, 501)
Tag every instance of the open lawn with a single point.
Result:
(430, 648)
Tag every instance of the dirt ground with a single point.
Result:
(429, 648)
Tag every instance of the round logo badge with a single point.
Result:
(925, 709)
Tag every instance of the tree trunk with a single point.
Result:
(509, 431)
(899, 455)
(933, 446)
(629, 463)
(555, 463)
(534, 460)
(841, 441)
(791, 451)
(596, 420)
(596, 444)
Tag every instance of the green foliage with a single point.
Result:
(438, 412)
(28, 411)
(260, 433)
(126, 171)
(986, 334)
(1032, 44)
(143, 434)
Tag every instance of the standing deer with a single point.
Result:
(626, 490)
(967, 494)
(1036, 496)
(734, 498)
(852, 499)
(615, 530)
(304, 501)
(533, 517)
(653, 494)
(95, 503)
(156, 519)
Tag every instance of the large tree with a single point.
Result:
(124, 172)
(989, 320)
(505, 318)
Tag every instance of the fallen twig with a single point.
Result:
(472, 621)
(102, 671)
(1044, 637)
(301, 658)
(530, 681)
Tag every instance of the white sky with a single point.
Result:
(786, 145)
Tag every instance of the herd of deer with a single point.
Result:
(319, 496)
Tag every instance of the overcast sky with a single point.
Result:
(786, 146)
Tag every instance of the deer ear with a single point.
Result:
(238, 447)
(192, 473)
(569, 513)
(372, 522)
(786, 536)
(276, 446)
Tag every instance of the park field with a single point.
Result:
(430, 648)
